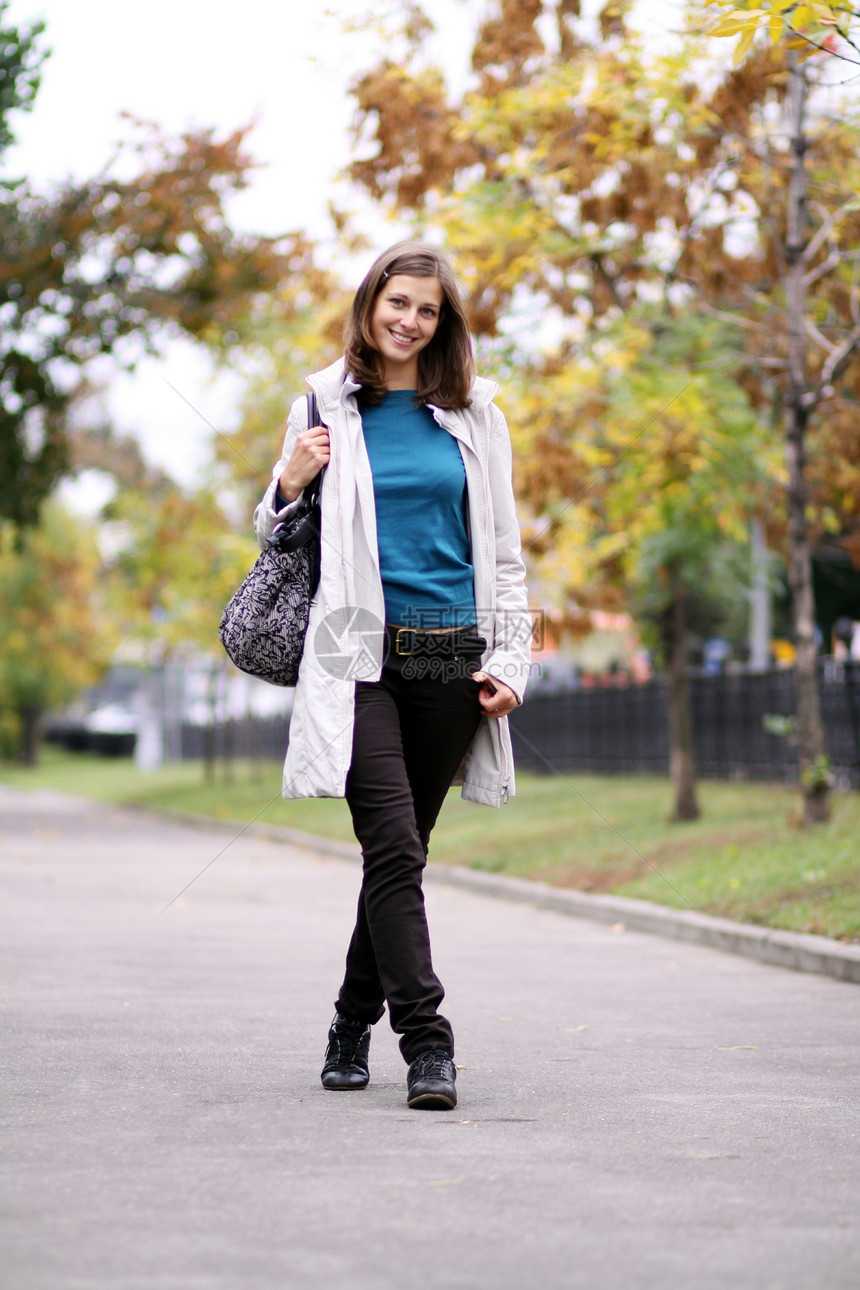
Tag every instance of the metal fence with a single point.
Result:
(622, 730)
(258, 737)
(616, 731)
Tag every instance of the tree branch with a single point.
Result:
(848, 41)
(822, 269)
(854, 291)
(686, 238)
(725, 316)
(764, 156)
(833, 368)
(814, 334)
(608, 279)
(825, 231)
(832, 52)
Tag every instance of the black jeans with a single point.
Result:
(412, 728)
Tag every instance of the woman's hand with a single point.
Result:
(310, 453)
(495, 698)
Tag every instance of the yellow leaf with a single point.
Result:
(740, 18)
(729, 27)
(743, 46)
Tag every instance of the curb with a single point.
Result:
(797, 950)
(802, 952)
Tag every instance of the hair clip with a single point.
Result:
(384, 275)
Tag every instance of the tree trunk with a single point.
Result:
(229, 748)
(760, 607)
(255, 765)
(682, 762)
(31, 734)
(809, 728)
(209, 731)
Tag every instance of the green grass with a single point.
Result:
(746, 858)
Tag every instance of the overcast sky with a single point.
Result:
(206, 62)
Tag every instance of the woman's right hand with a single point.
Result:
(310, 453)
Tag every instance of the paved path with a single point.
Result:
(634, 1113)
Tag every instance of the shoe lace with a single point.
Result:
(434, 1062)
(345, 1041)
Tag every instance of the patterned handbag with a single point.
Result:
(264, 625)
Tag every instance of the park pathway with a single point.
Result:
(634, 1113)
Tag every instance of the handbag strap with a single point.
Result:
(312, 490)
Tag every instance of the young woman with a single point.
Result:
(418, 641)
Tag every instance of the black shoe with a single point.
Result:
(345, 1065)
(430, 1081)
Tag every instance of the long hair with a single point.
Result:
(446, 366)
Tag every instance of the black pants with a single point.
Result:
(412, 728)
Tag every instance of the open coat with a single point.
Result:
(345, 639)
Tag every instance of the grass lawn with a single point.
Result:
(746, 858)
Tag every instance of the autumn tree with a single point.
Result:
(677, 503)
(20, 72)
(648, 507)
(817, 311)
(298, 330)
(57, 633)
(568, 193)
(107, 266)
(581, 178)
(174, 563)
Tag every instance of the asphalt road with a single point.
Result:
(633, 1112)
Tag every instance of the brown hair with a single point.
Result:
(447, 366)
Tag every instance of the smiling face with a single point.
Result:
(404, 320)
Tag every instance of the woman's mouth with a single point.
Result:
(400, 339)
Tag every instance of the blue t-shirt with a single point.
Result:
(419, 485)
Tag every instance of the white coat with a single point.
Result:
(349, 606)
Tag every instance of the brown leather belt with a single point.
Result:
(411, 642)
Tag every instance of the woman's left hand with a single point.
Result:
(495, 698)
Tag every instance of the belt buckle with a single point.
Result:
(397, 649)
